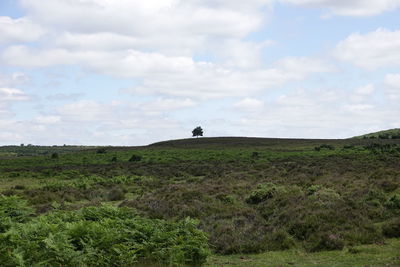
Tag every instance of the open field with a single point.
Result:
(300, 199)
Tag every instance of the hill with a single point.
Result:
(258, 142)
(386, 134)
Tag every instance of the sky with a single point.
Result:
(130, 72)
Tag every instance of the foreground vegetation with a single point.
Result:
(173, 202)
(95, 236)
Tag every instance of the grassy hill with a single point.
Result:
(386, 134)
(247, 195)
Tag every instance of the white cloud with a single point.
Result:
(19, 30)
(366, 90)
(64, 97)
(12, 94)
(362, 93)
(235, 53)
(176, 76)
(172, 28)
(103, 41)
(87, 111)
(125, 63)
(13, 79)
(392, 81)
(47, 119)
(359, 8)
(249, 104)
(358, 107)
(114, 112)
(157, 41)
(127, 16)
(8, 96)
(302, 66)
(165, 104)
(211, 81)
(327, 113)
(373, 50)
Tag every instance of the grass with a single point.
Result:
(368, 255)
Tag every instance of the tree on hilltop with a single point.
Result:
(198, 131)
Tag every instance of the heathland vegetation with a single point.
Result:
(189, 202)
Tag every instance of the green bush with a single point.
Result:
(389, 186)
(102, 236)
(134, 158)
(321, 242)
(19, 187)
(116, 194)
(394, 202)
(13, 210)
(244, 233)
(324, 146)
(313, 189)
(101, 150)
(324, 195)
(263, 192)
(366, 233)
(279, 240)
(391, 229)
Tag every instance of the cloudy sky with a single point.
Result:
(130, 72)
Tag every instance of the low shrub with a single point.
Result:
(135, 158)
(366, 233)
(263, 192)
(320, 242)
(116, 194)
(389, 186)
(243, 233)
(303, 228)
(101, 150)
(324, 146)
(394, 202)
(391, 229)
(279, 240)
(313, 189)
(19, 187)
(325, 195)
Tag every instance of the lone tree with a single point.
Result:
(198, 131)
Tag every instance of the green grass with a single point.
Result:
(368, 255)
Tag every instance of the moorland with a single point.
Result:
(230, 201)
